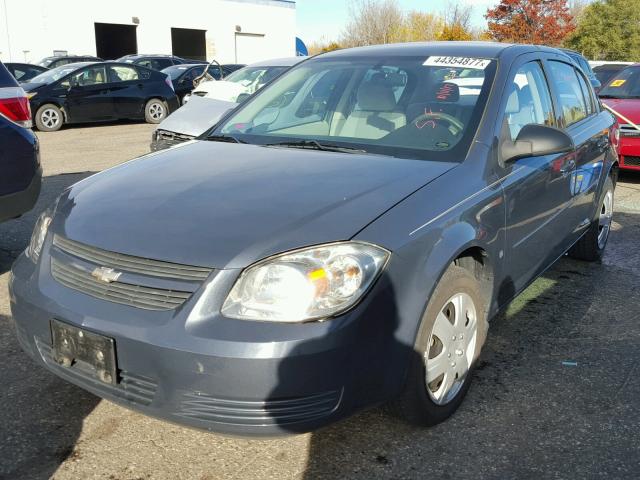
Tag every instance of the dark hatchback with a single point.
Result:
(154, 62)
(19, 153)
(340, 240)
(96, 92)
(23, 72)
(58, 61)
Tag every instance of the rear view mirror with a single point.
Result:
(535, 141)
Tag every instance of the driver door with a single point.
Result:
(88, 96)
(537, 190)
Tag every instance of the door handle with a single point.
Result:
(568, 167)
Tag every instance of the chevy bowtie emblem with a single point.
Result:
(105, 274)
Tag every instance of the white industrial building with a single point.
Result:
(230, 31)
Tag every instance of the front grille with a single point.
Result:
(166, 139)
(627, 130)
(118, 292)
(631, 161)
(129, 263)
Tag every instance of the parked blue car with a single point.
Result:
(20, 171)
(340, 240)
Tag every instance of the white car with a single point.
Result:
(244, 82)
(210, 100)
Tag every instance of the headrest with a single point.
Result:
(376, 96)
(445, 92)
(513, 102)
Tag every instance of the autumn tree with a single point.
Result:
(608, 30)
(420, 26)
(373, 22)
(545, 22)
(456, 19)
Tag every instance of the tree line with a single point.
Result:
(600, 30)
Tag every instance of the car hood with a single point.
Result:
(196, 116)
(228, 205)
(222, 90)
(629, 107)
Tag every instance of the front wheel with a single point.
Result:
(155, 111)
(49, 118)
(592, 244)
(450, 337)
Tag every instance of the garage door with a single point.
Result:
(251, 47)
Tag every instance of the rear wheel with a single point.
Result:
(592, 244)
(451, 335)
(49, 118)
(155, 111)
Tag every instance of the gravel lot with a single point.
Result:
(526, 416)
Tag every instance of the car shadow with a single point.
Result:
(41, 416)
(554, 393)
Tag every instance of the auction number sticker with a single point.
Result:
(464, 62)
(618, 83)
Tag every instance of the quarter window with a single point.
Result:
(565, 78)
(122, 74)
(529, 100)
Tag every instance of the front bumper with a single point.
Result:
(15, 204)
(629, 151)
(218, 374)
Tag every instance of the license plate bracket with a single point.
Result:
(79, 349)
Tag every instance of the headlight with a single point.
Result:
(39, 234)
(308, 284)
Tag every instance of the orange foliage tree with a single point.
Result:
(543, 22)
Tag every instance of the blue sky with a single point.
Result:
(327, 18)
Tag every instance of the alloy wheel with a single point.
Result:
(451, 348)
(604, 221)
(156, 111)
(50, 118)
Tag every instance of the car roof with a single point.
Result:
(466, 49)
(152, 55)
(278, 62)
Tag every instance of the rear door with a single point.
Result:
(87, 97)
(538, 190)
(127, 90)
(589, 129)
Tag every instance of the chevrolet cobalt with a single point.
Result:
(340, 240)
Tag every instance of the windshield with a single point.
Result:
(624, 84)
(54, 74)
(255, 76)
(411, 107)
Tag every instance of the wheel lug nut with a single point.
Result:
(453, 364)
(460, 337)
(448, 355)
(454, 337)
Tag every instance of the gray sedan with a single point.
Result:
(340, 240)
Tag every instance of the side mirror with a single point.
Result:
(536, 141)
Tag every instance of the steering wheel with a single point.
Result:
(421, 121)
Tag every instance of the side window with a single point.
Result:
(586, 92)
(19, 72)
(145, 63)
(160, 63)
(89, 76)
(565, 79)
(118, 73)
(529, 100)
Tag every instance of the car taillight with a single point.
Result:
(14, 105)
(168, 81)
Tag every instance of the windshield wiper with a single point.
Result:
(225, 138)
(315, 145)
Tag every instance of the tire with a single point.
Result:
(155, 111)
(49, 118)
(592, 244)
(424, 401)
